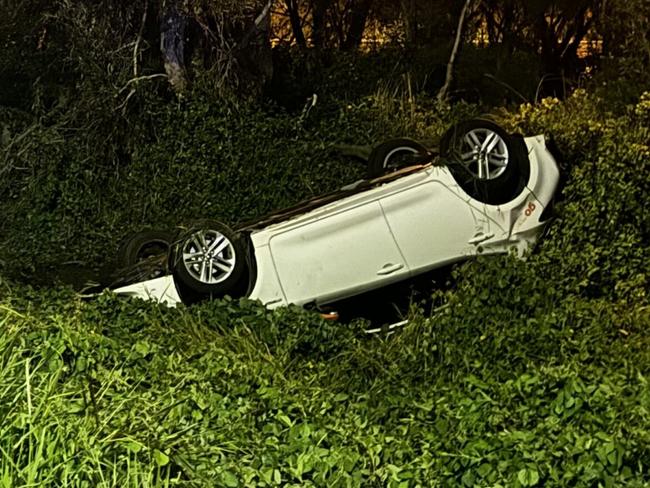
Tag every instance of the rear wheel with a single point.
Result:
(143, 246)
(394, 154)
(487, 162)
(208, 261)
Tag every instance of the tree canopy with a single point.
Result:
(231, 42)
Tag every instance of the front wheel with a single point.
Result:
(208, 261)
(486, 161)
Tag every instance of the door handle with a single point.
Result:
(389, 268)
(480, 237)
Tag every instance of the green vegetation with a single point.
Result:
(529, 373)
(74, 199)
(116, 393)
(526, 373)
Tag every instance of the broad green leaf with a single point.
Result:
(230, 479)
(285, 420)
(528, 476)
(160, 457)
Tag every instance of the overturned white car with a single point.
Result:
(484, 192)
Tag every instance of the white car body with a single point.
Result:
(387, 233)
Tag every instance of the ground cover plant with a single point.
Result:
(527, 373)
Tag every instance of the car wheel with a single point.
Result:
(392, 155)
(487, 162)
(207, 261)
(143, 246)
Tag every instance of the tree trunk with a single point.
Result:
(318, 11)
(547, 44)
(173, 27)
(296, 23)
(410, 21)
(253, 53)
(507, 36)
(358, 16)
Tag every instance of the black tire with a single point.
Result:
(203, 276)
(143, 246)
(394, 154)
(493, 177)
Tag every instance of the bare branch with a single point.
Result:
(443, 93)
(138, 41)
(256, 27)
(140, 78)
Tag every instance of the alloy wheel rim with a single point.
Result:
(484, 153)
(209, 256)
(402, 149)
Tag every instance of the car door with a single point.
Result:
(432, 225)
(336, 254)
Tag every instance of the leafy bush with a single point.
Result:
(69, 202)
(598, 247)
(66, 200)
